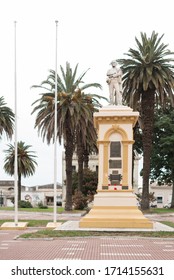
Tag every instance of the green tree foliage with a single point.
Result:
(26, 162)
(162, 158)
(6, 119)
(24, 204)
(152, 197)
(80, 201)
(88, 189)
(90, 181)
(74, 113)
(148, 79)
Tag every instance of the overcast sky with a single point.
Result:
(90, 33)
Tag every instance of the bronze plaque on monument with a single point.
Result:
(115, 163)
(115, 149)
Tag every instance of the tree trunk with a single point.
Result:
(172, 199)
(80, 164)
(147, 110)
(86, 159)
(19, 187)
(68, 162)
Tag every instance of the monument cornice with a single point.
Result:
(115, 119)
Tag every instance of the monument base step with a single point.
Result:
(115, 217)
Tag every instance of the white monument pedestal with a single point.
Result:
(115, 205)
(115, 209)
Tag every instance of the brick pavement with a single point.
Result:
(65, 216)
(161, 217)
(22, 215)
(93, 248)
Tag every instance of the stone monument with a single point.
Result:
(115, 204)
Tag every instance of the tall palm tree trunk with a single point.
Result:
(68, 160)
(147, 129)
(80, 163)
(172, 199)
(86, 158)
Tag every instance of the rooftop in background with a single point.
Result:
(7, 183)
(10, 183)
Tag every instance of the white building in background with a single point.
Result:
(6, 193)
(163, 194)
(35, 194)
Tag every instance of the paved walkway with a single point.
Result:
(74, 225)
(90, 248)
(22, 215)
(72, 219)
(69, 216)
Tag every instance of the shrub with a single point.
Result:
(42, 206)
(80, 202)
(24, 204)
(152, 198)
(90, 181)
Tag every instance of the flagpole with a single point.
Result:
(16, 151)
(55, 132)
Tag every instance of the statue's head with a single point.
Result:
(113, 63)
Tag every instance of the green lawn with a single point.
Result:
(61, 210)
(32, 223)
(46, 233)
(60, 234)
(34, 209)
(167, 223)
(159, 211)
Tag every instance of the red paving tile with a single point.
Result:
(94, 248)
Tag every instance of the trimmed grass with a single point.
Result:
(34, 209)
(46, 233)
(60, 234)
(159, 211)
(167, 223)
(32, 223)
(61, 210)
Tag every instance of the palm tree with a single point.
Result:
(86, 135)
(148, 78)
(71, 109)
(91, 144)
(6, 119)
(26, 162)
